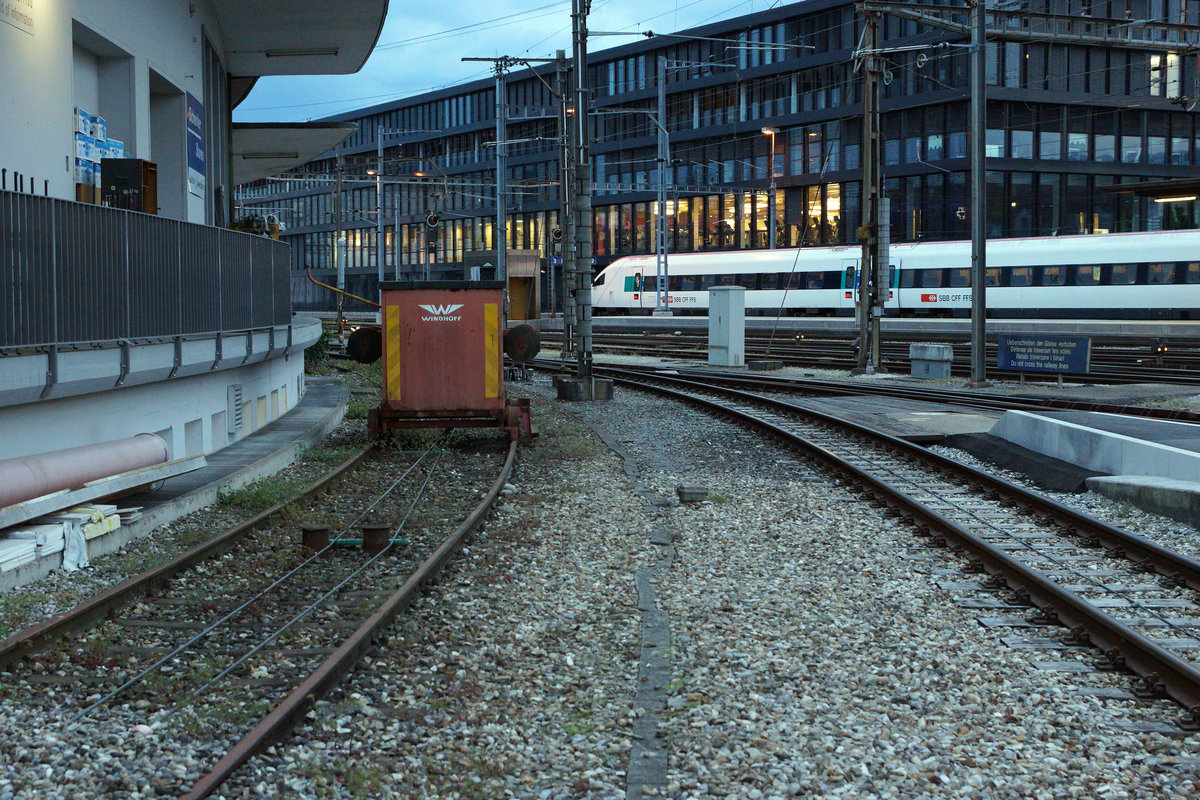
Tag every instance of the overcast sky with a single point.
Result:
(421, 44)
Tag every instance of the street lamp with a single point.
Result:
(771, 224)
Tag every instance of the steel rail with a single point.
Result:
(973, 399)
(1161, 672)
(1107, 366)
(97, 608)
(292, 709)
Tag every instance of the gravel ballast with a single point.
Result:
(807, 659)
(810, 651)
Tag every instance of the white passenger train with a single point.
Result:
(1107, 276)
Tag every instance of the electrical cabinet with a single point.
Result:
(129, 183)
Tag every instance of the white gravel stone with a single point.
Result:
(808, 659)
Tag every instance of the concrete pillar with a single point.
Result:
(727, 326)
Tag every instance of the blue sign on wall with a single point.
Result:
(1033, 352)
(195, 145)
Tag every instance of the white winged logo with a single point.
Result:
(441, 313)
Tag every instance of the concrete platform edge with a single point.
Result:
(1178, 500)
(183, 505)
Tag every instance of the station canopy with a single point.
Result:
(263, 149)
(298, 37)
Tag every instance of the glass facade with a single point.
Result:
(1065, 124)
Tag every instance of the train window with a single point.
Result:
(893, 276)
(796, 280)
(770, 280)
(1160, 273)
(814, 280)
(687, 283)
(907, 279)
(960, 277)
(931, 278)
(748, 282)
(1087, 275)
(673, 283)
(848, 281)
(707, 281)
(1020, 276)
(600, 279)
(1054, 276)
(1124, 274)
(1191, 272)
(991, 277)
(727, 280)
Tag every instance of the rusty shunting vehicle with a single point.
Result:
(443, 365)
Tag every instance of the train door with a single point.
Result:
(892, 300)
(634, 294)
(849, 285)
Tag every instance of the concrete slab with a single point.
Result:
(1108, 443)
(906, 419)
(1179, 500)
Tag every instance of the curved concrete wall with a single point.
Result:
(195, 412)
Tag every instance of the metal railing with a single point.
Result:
(72, 273)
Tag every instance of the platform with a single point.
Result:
(1152, 464)
(263, 452)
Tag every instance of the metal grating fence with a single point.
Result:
(75, 273)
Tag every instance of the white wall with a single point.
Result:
(44, 74)
(189, 413)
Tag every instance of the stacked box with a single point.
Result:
(85, 147)
(92, 145)
(84, 171)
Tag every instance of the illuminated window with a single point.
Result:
(1124, 274)
(1054, 276)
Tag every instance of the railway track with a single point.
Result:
(1128, 598)
(1113, 361)
(974, 399)
(245, 633)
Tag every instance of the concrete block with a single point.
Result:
(576, 390)
(928, 360)
(764, 364)
(691, 494)
(1179, 500)
(1099, 450)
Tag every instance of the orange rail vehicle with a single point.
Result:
(442, 361)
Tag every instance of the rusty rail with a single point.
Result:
(95, 609)
(290, 712)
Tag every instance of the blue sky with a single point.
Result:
(420, 50)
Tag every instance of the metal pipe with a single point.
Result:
(308, 272)
(33, 476)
